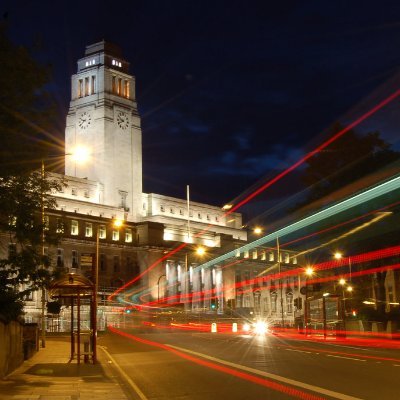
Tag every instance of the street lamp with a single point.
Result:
(339, 256)
(309, 272)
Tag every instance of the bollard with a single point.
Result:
(213, 327)
(234, 327)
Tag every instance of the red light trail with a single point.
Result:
(278, 177)
(268, 383)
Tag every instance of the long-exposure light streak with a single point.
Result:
(354, 201)
(353, 124)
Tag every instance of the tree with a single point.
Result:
(350, 157)
(335, 171)
(24, 268)
(26, 109)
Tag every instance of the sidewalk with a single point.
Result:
(49, 375)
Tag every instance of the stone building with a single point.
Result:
(103, 123)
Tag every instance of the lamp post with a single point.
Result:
(309, 272)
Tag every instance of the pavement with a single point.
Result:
(50, 375)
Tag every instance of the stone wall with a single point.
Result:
(11, 347)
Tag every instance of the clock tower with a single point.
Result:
(103, 121)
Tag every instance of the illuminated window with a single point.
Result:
(286, 258)
(93, 87)
(102, 232)
(86, 86)
(80, 88)
(46, 222)
(126, 89)
(115, 235)
(294, 260)
(271, 256)
(60, 226)
(246, 254)
(74, 227)
(88, 229)
(119, 89)
(128, 235)
(263, 256)
(254, 255)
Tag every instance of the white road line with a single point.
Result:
(346, 358)
(300, 351)
(278, 378)
(123, 373)
(396, 365)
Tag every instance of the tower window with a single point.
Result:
(119, 89)
(93, 86)
(114, 84)
(126, 89)
(86, 86)
(80, 88)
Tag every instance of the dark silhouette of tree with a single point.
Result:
(26, 109)
(347, 159)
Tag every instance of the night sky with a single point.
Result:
(229, 92)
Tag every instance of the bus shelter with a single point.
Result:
(72, 289)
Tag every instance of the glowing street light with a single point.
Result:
(257, 230)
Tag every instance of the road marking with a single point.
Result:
(278, 378)
(346, 358)
(123, 373)
(300, 351)
(396, 365)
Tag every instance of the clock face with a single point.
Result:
(84, 120)
(123, 120)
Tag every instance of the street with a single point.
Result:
(193, 365)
